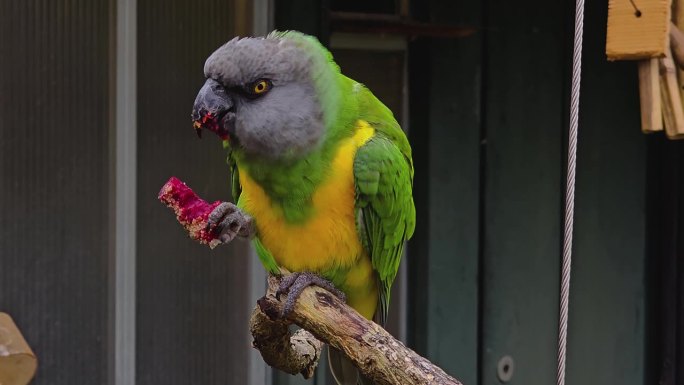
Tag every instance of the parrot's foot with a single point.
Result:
(295, 283)
(227, 221)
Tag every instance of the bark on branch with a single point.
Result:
(325, 318)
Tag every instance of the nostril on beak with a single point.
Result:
(212, 109)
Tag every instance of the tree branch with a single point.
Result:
(325, 318)
(297, 353)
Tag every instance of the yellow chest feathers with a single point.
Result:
(329, 237)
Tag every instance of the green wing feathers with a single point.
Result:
(236, 189)
(387, 216)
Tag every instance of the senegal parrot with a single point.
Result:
(321, 171)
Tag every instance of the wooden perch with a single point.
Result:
(298, 353)
(325, 318)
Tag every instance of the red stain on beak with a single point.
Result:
(210, 122)
(198, 128)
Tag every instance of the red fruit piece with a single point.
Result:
(191, 211)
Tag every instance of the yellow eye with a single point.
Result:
(261, 86)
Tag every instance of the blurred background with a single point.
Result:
(95, 100)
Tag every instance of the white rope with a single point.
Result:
(570, 192)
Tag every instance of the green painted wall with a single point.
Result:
(524, 117)
(445, 115)
(510, 84)
(607, 308)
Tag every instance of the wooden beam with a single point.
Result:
(673, 114)
(637, 29)
(649, 95)
(677, 41)
(394, 25)
(17, 362)
(677, 45)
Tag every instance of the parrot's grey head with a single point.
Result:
(270, 97)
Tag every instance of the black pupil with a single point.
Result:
(260, 86)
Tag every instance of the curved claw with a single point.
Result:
(285, 284)
(227, 221)
(219, 212)
(295, 283)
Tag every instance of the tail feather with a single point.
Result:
(343, 370)
(364, 381)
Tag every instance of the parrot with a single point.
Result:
(321, 172)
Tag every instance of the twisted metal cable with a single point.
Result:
(570, 192)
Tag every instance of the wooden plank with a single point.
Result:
(673, 113)
(17, 362)
(663, 289)
(301, 15)
(637, 29)
(55, 188)
(607, 299)
(192, 309)
(454, 116)
(525, 116)
(649, 95)
(419, 111)
(677, 45)
(419, 107)
(677, 39)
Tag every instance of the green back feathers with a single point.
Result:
(383, 171)
(384, 178)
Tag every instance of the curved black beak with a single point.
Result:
(213, 109)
